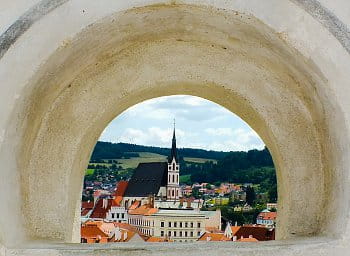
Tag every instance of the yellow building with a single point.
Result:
(177, 225)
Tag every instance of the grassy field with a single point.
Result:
(89, 171)
(145, 157)
(198, 160)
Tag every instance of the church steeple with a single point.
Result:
(173, 147)
(173, 188)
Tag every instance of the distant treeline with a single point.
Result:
(107, 150)
(253, 166)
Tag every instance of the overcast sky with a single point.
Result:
(199, 124)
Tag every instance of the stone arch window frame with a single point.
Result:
(68, 235)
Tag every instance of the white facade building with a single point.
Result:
(117, 214)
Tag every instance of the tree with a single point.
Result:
(273, 193)
(250, 195)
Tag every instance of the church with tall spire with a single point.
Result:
(157, 179)
(173, 188)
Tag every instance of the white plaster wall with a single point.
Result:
(19, 65)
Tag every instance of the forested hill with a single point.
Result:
(197, 165)
(107, 150)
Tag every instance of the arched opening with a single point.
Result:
(260, 83)
(227, 189)
(224, 56)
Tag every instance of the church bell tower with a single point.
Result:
(173, 188)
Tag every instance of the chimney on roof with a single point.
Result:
(250, 236)
(117, 234)
(208, 238)
(125, 235)
(182, 200)
(234, 238)
(104, 203)
(188, 203)
(151, 201)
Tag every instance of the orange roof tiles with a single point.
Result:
(134, 205)
(92, 231)
(87, 205)
(117, 200)
(125, 226)
(85, 212)
(235, 229)
(216, 237)
(249, 239)
(267, 215)
(101, 208)
(143, 210)
(261, 233)
(121, 187)
(213, 230)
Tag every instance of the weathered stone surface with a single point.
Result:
(77, 65)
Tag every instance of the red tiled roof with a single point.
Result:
(261, 233)
(100, 211)
(134, 205)
(214, 237)
(84, 212)
(143, 210)
(234, 229)
(121, 187)
(267, 215)
(117, 200)
(92, 231)
(87, 205)
(249, 239)
(126, 226)
(213, 230)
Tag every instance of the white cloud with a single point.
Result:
(220, 131)
(150, 136)
(178, 106)
(199, 124)
(236, 139)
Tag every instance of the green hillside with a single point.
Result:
(113, 162)
(144, 157)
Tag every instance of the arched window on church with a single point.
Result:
(173, 178)
(173, 166)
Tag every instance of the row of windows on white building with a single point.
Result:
(181, 224)
(179, 233)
